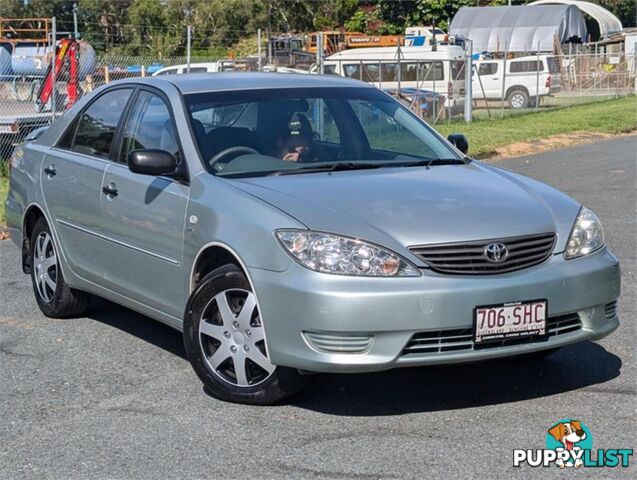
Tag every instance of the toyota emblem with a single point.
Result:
(496, 252)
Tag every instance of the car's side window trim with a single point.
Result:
(116, 147)
(76, 121)
(114, 153)
(118, 142)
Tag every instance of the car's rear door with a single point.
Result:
(143, 216)
(71, 177)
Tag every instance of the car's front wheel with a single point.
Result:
(225, 342)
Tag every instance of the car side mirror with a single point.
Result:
(152, 162)
(459, 141)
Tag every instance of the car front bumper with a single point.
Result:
(331, 323)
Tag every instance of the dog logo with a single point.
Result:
(569, 443)
(570, 434)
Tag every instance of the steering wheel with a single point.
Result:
(229, 154)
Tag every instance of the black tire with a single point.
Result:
(63, 301)
(280, 384)
(518, 98)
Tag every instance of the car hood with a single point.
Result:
(400, 207)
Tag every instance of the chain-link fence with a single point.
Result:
(507, 86)
(23, 110)
(432, 84)
(433, 88)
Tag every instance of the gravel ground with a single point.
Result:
(112, 395)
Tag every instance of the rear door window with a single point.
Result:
(97, 125)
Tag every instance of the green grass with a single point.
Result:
(485, 135)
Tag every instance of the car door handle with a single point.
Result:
(51, 171)
(110, 191)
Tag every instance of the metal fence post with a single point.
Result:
(435, 102)
(635, 66)
(468, 74)
(259, 59)
(319, 53)
(504, 79)
(537, 77)
(76, 32)
(188, 41)
(53, 72)
(399, 54)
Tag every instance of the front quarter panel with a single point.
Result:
(221, 214)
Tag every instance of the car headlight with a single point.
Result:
(587, 235)
(328, 253)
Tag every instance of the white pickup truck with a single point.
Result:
(525, 79)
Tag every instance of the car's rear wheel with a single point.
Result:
(53, 295)
(518, 98)
(225, 341)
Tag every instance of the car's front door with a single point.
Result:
(488, 82)
(143, 217)
(72, 179)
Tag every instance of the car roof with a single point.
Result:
(210, 82)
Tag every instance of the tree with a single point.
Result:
(623, 9)
(10, 8)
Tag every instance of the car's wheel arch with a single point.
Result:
(516, 88)
(32, 214)
(212, 256)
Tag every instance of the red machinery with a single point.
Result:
(67, 57)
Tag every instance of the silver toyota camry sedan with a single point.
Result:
(291, 224)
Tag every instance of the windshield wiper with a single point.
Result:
(333, 167)
(437, 161)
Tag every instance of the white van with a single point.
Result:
(441, 71)
(526, 78)
(208, 67)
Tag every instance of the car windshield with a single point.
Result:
(305, 130)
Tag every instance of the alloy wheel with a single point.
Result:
(517, 100)
(232, 339)
(46, 267)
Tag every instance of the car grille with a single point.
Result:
(441, 341)
(467, 258)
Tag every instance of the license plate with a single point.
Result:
(509, 321)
